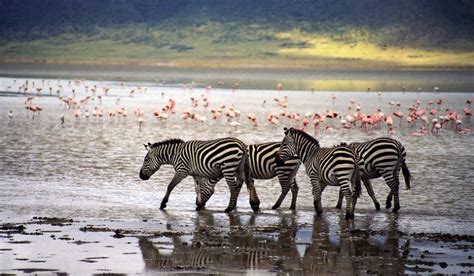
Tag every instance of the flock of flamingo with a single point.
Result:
(85, 101)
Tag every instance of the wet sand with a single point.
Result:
(211, 241)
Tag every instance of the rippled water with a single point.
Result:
(89, 167)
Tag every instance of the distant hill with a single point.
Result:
(212, 32)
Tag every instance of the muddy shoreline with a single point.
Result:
(214, 242)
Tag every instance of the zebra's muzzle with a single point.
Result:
(144, 176)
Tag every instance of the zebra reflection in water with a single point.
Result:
(225, 248)
(237, 242)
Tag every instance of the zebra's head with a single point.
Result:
(150, 163)
(287, 148)
(160, 153)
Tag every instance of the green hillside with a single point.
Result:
(274, 33)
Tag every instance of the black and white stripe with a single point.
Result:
(214, 159)
(263, 165)
(382, 157)
(336, 166)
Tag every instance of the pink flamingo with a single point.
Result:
(273, 119)
(460, 129)
(253, 119)
(216, 113)
(282, 102)
(185, 115)
(467, 111)
(399, 115)
(435, 126)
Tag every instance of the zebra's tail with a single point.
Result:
(405, 171)
(406, 174)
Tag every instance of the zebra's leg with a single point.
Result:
(371, 193)
(339, 201)
(350, 204)
(346, 190)
(285, 187)
(234, 187)
(294, 194)
(388, 202)
(175, 181)
(396, 200)
(197, 188)
(391, 178)
(204, 191)
(317, 190)
(253, 197)
(294, 187)
(395, 189)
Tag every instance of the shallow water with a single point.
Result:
(87, 169)
(259, 78)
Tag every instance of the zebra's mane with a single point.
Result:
(167, 142)
(307, 136)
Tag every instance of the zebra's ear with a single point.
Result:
(147, 147)
(285, 130)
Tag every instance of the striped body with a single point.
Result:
(213, 159)
(263, 165)
(337, 166)
(382, 157)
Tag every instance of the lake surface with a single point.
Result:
(259, 78)
(87, 169)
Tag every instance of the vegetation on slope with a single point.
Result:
(224, 33)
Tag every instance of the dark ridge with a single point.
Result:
(167, 142)
(433, 22)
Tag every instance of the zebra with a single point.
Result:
(336, 166)
(212, 159)
(263, 165)
(383, 157)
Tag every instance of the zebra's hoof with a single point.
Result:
(395, 209)
(292, 207)
(338, 206)
(228, 210)
(388, 205)
(274, 207)
(256, 207)
(377, 206)
(349, 216)
(163, 206)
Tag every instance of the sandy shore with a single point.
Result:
(212, 242)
